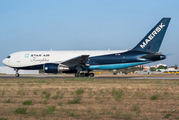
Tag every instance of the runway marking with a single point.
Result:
(154, 78)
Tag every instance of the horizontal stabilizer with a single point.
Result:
(154, 56)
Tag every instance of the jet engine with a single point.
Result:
(55, 68)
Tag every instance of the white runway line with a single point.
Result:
(154, 78)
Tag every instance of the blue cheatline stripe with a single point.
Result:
(114, 66)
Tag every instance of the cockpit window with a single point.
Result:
(9, 56)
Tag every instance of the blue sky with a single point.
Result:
(85, 25)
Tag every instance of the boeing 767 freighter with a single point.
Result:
(81, 63)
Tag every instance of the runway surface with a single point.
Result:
(96, 77)
(62, 77)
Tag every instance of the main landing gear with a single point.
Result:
(84, 74)
(17, 74)
(81, 73)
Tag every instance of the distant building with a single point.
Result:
(160, 70)
(145, 67)
(171, 69)
(153, 66)
(8, 70)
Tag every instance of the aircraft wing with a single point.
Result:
(77, 61)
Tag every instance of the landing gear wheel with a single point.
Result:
(91, 74)
(82, 74)
(87, 74)
(77, 74)
(17, 74)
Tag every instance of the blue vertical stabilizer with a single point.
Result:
(152, 41)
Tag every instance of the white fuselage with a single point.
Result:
(31, 58)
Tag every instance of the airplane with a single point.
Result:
(81, 63)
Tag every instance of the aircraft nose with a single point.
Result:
(4, 62)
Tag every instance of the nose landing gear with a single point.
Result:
(17, 74)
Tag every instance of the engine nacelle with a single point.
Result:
(55, 68)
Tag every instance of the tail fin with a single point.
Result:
(152, 41)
